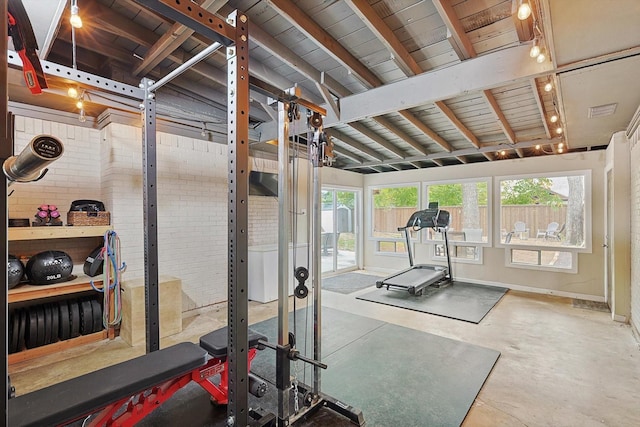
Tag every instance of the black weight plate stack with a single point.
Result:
(14, 330)
(23, 328)
(86, 317)
(74, 319)
(41, 327)
(96, 309)
(31, 332)
(54, 322)
(64, 327)
(47, 324)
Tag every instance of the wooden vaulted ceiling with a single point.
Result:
(408, 83)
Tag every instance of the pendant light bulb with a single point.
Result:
(559, 131)
(535, 49)
(72, 92)
(502, 152)
(561, 145)
(553, 118)
(75, 20)
(548, 87)
(541, 57)
(537, 146)
(82, 117)
(524, 10)
(560, 150)
(79, 104)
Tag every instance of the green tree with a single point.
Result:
(390, 197)
(529, 191)
(452, 194)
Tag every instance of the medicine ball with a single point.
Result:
(93, 265)
(15, 270)
(49, 267)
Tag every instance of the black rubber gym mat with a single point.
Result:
(48, 323)
(64, 327)
(54, 322)
(32, 328)
(41, 327)
(86, 317)
(96, 309)
(469, 302)
(349, 282)
(74, 319)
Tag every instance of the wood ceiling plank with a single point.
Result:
(457, 123)
(304, 23)
(543, 114)
(335, 133)
(378, 139)
(448, 15)
(499, 115)
(371, 19)
(401, 134)
(409, 116)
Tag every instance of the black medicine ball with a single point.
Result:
(15, 270)
(49, 267)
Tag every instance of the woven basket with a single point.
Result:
(88, 218)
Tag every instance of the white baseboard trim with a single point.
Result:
(619, 318)
(535, 290)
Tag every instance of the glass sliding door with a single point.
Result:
(339, 237)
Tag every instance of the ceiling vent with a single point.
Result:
(602, 110)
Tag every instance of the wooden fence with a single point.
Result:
(536, 217)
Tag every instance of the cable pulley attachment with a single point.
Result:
(292, 353)
(301, 274)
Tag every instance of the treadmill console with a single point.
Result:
(429, 218)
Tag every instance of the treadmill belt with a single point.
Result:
(416, 277)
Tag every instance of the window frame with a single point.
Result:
(370, 211)
(588, 221)
(453, 245)
(509, 263)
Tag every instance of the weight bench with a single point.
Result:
(125, 393)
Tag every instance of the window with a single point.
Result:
(391, 207)
(543, 220)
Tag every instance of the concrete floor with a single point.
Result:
(560, 365)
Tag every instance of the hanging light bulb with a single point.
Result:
(560, 150)
(535, 49)
(502, 152)
(537, 146)
(75, 20)
(561, 145)
(553, 118)
(80, 104)
(559, 131)
(82, 117)
(548, 87)
(524, 10)
(541, 57)
(72, 92)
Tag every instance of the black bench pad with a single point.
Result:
(89, 393)
(216, 342)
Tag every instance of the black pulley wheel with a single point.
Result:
(307, 400)
(74, 319)
(31, 334)
(301, 291)
(301, 273)
(48, 322)
(41, 326)
(64, 325)
(96, 309)
(86, 317)
(55, 322)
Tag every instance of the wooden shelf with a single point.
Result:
(31, 292)
(56, 232)
(34, 353)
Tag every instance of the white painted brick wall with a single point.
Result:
(192, 199)
(635, 229)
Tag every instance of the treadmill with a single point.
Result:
(417, 277)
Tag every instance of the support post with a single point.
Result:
(283, 368)
(316, 228)
(238, 158)
(5, 152)
(150, 206)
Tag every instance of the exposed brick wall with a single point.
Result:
(192, 199)
(635, 229)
